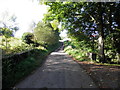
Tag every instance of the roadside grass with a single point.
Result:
(77, 53)
(80, 55)
(107, 64)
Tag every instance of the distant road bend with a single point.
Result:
(59, 71)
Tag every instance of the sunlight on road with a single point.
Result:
(59, 71)
(58, 53)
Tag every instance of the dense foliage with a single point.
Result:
(83, 20)
(20, 65)
(6, 32)
(93, 27)
(45, 33)
(22, 55)
(27, 37)
(78, 50)
(14, 45)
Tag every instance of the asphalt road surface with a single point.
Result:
(58, 71)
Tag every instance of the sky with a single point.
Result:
(26, 11)
(63, 33)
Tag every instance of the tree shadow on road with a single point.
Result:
(104, 76)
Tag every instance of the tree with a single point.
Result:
(7, 33)
(28, 37)
(87, 18)
(45, 33)
(9, 21)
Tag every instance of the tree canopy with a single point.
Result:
(83, 19)
(45, 33)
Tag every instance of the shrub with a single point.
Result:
(27, 37)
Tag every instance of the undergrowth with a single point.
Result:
(12, 74)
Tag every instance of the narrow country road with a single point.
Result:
(59, 71)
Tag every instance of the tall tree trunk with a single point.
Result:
(101, 35)
(101, 47)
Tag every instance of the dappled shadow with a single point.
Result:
(60, 62)
(59, 71)
(103, 75)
